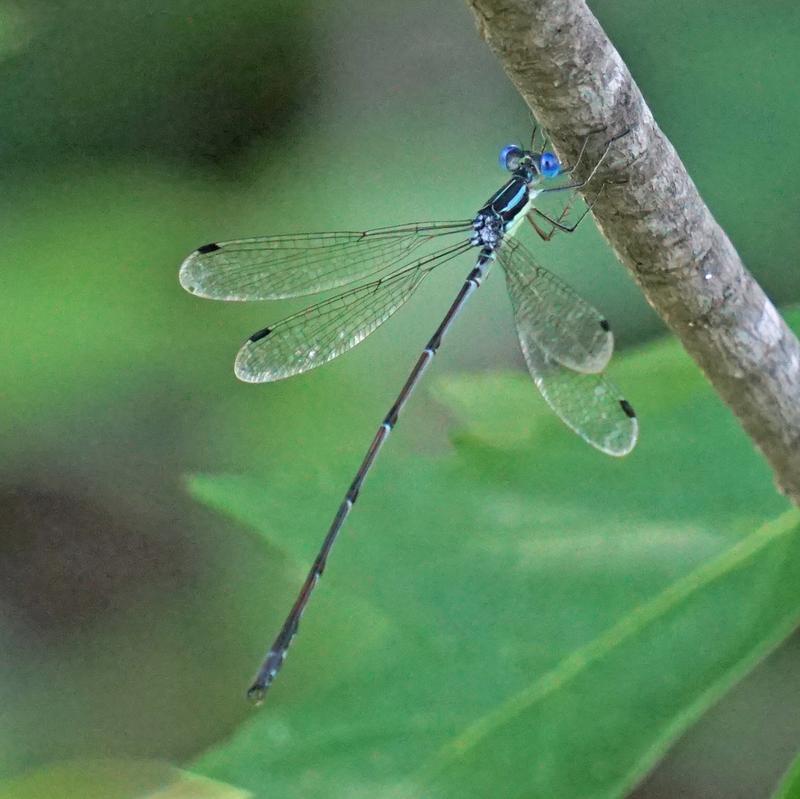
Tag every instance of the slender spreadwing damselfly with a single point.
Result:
(565, 341)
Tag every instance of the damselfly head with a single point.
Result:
(544, 164)
(512, 157)
(548, 164)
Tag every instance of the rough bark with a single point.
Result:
(650, 211)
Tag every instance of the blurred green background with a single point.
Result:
(133, 615)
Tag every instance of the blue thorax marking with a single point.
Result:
(509, 200)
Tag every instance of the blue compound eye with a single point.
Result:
(549, 165)
(510, 157)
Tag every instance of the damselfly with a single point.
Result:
(565, 341)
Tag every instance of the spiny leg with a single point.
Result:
(568, 170)
(558, 223)
(545, 140)
(582, 183)
(555, 224)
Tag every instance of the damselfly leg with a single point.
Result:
(581, 183)
(557, 224)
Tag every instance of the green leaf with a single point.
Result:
(684, 648)
(115, 779)
(790, 784)
(549, 619)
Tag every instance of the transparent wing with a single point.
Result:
(551, 315)
(277, 267)
(324, 331)
(588, 403)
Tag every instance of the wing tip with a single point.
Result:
(622, 441)
(621, 452)
(192, 270)
(243, 366)
(243, 372)
(187, 274)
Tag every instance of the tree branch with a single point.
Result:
(574, 80)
